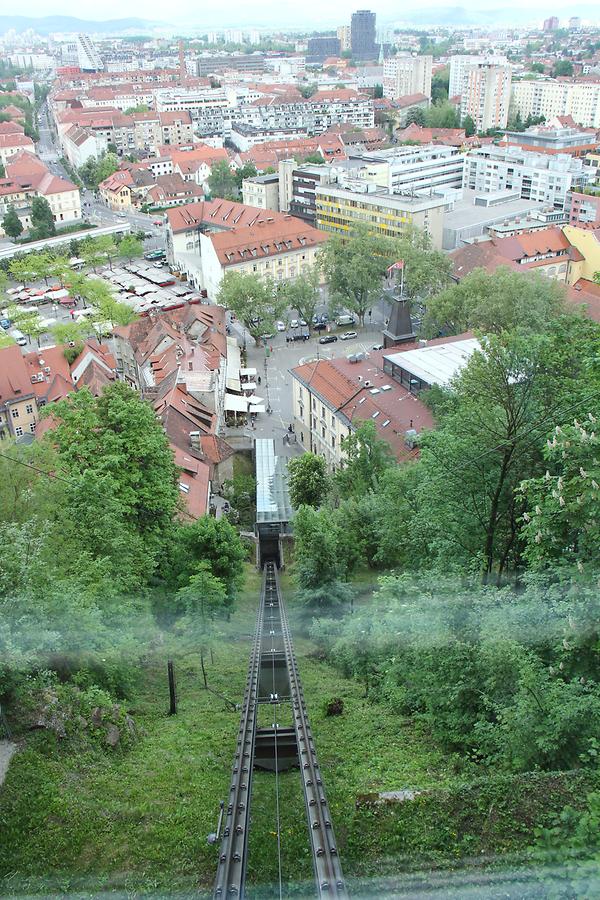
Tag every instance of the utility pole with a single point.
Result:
(172, 694)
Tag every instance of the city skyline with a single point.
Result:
(267, 14)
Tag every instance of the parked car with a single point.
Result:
(298, 336)
(328, 339)
(348, 335)
(323, 317)
(345, 319)
(320, 326)
(303, 324)
(377, 347)
(18, 337)
(294, 323)
(158, 222)
(280, 326)
(5, 323)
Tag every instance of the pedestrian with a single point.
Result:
(259, 380)
(290, 429)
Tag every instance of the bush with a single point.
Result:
(85, 713)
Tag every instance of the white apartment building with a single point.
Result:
(207, 239)
(537, 176)
(209, 108)
(81, 144)
(460, 64)
(88, 57)
(555, 98)
(485, 95)
(415, 169)
(407, 75)
(315, 114)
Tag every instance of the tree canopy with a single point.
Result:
(496, 302)
(254, 300)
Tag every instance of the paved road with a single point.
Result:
(276, 381)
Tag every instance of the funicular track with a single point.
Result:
(273, 677)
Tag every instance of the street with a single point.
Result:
(276, 381)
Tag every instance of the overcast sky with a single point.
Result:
(269, 13)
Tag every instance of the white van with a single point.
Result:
(345, 320)
(18, 337)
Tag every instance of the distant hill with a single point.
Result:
(48, 24)
(460, 16)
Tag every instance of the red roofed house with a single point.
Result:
(332, 396)
(12, 143)
(172, 190)
(27, 177)
(178, 360)
(30, 381)
(194, 162)
(11, 127)
(547, 251)
(117, 190)
(205, 240)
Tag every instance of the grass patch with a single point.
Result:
(137, 821)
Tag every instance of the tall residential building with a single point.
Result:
(344, 34)
(580, 100)
(551, 24)
(404, 76)
(362, 35)
(574, 23)
(88, 57)
(485, 96)
(460, 64)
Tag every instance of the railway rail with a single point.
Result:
(273, 644)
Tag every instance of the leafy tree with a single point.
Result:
(302, 294)
(222, 182)
(537, 67)
(439, 85)
(117, 441)
(490, 439)
(105, 247)
(315, 159)
(469, 126)
(92, 254)
(378, 92)
(11, 223)
(494, 303)
(21, 269)
(42, 219)
(29, 323)
(68, 333)
(563, 67)
(307, 480)
(209, 541)
(355, 265)
(307, 90)
(442, 115)
(366, 457)
(254, 300)
(130, 246)
(416, 115)
(354, 268)
(317, 561)
(246, 171)
(203, 598)
(561, 524)
(140, 108)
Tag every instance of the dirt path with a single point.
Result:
(7, 748)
